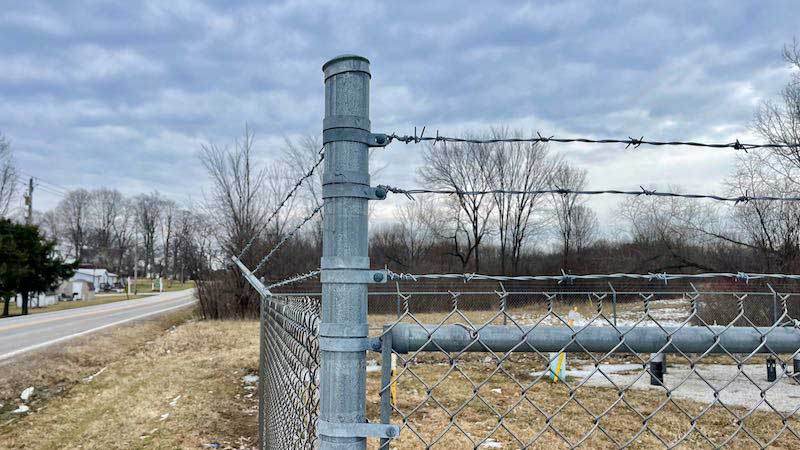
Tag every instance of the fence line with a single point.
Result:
(629, 142)
(561, 191)
(444, 369)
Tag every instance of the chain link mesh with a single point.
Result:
(490, 369)
(289, 372)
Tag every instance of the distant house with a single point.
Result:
(100, 278)
(38, 300)
(76, 290)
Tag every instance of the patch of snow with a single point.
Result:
(373, 368)
(92, 377)
(491, 443)
(250, 379)
(163, 417)
(22, 409)
(497, 391)
(684, 383)
(26, 394)
(174, 401)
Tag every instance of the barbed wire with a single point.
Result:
(629, 142)
(294, 279)
(568, 278)
(646, 192)
(283, 203)
(287, 237)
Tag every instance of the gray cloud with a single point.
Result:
(122, 95)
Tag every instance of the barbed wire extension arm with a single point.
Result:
(283, 203)
(646, 192)
(567, 278)
(629, 142)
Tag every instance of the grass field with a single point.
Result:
(164, 384)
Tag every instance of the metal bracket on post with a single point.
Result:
(355, 135)
(365, 430)
(353, 276)
(353, 191)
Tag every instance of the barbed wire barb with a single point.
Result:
(283, 203)
(287, 237)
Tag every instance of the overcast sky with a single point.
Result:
(122, 94)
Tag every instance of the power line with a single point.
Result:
(53, 186)
(645, 192)
(629, 142)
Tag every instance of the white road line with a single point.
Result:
(85, 332)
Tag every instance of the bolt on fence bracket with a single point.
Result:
(365, 430)
(353, 276)
(355, 135)
(353, 191)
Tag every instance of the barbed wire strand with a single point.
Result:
(295, 279)
(646, 192)
(567, 278)
(285, 201)
(287, 237)
(629, 142)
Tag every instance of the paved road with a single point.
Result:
(22, 334)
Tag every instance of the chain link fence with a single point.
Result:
(565, 369)
(289, 372)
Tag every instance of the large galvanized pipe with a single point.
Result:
(498, 338)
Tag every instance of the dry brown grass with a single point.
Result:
(623, 420)
(147, 366)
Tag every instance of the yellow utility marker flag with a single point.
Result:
(561, 360)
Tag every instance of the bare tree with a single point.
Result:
(414, 231)
(73, 213)
(237, 208)
(770, 228)
(779, 122)
(299, 157)
(147, 213)
(463, 167)
(566, 207)
(166, 221)
(105, 207)
(670, 233)
(9, 176)
(521, 167)
(236, 201)
(124, 232)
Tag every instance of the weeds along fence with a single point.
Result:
(371, 358)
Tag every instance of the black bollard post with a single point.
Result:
(772, 374)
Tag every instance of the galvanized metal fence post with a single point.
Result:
(345, 262)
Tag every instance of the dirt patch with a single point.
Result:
(149, 385)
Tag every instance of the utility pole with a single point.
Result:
(29, 203)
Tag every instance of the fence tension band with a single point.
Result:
(354, 135)
(353, 191)
(353, 276)
(365, 430)
(252, 279)
(343, 344)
